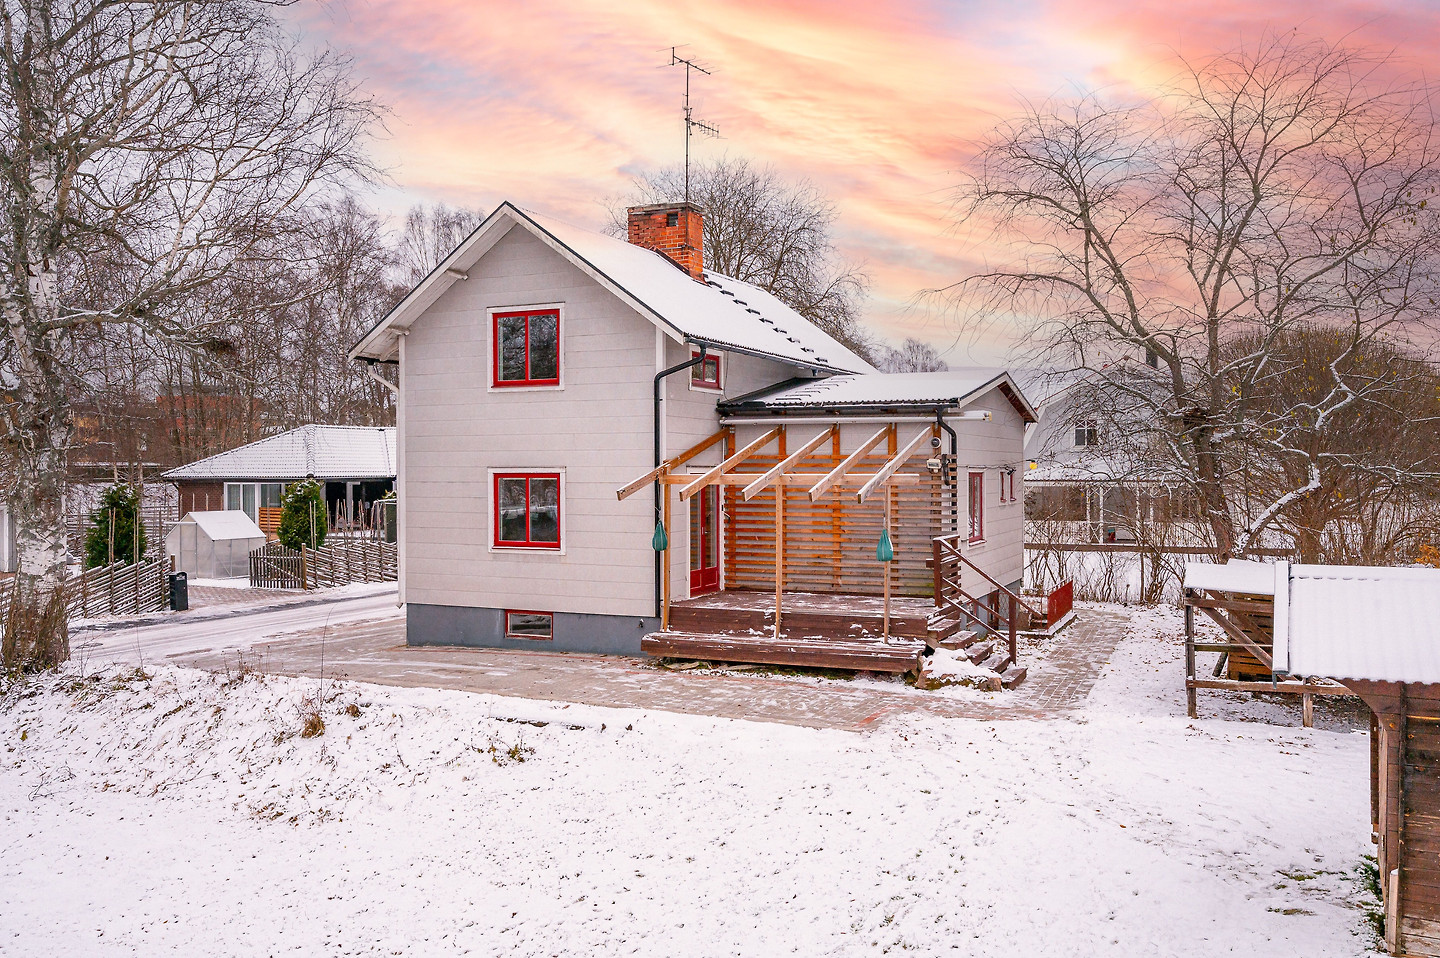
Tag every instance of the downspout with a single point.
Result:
(660, 556)
(954, 471)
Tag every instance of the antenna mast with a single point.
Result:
(691, 124)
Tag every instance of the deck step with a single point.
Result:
(998, 662)
(856, 655)
(939, 629)
(1012, 676)
(956, 642)
(979, 652)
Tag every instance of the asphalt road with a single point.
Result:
(228, 629)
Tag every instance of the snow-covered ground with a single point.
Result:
(172, 811)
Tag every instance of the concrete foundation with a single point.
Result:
(485, 628)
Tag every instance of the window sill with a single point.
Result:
(529, 550)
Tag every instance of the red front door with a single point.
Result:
(705, 541)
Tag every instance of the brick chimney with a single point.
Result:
(674, 229)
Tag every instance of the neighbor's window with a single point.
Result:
(705, 374)
(977, 506)
(527, 348)
(529, 625)
(1087, 433)
(251, 497)
(527, 510)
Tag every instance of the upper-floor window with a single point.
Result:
(527, 348)
(977, 506)
(1087, 433)
(527, 510)
(707, 373)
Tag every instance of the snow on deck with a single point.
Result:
(1237, 575)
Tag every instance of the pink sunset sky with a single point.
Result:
(557, 106)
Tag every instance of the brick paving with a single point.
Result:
(374, 651)
(211, 596)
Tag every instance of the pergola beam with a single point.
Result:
(893, 466)
(717, 471)
(821, 488)
(784, 465)
(630, 489)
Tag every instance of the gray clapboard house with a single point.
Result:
(573, 406)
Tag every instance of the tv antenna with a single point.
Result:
(691, 124)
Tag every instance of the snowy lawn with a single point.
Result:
(180, 812)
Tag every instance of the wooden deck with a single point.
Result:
(818, 630)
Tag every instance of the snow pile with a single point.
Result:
(180, 812)
(948, 667)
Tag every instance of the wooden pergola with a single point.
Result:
(846, 475)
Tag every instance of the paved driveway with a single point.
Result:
(373, 650)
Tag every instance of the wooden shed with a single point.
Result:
(1377, 631)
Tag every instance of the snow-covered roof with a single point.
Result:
(1237, 575)
(955, 387)
(326, 452)
(220, 525)
(720, 312)
(1358, 622)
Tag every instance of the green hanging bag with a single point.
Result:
(660, 541)
(885, 552)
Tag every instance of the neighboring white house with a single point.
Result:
(356, 464)
(213, 545)
(542, 368)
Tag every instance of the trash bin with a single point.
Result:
(179, 592)
(391, 519)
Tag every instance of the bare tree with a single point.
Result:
(1283, 186)
(773, 234)
(430, 235)
(912, 356)
(149, 149)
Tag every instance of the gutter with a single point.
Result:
(660, 557)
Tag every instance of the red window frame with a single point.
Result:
(495, 318)
(1010, 476)
(527, 542)
(977, 507)
(704, 381)
(529, 638)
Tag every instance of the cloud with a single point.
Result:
(555, 104)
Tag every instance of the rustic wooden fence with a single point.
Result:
(118, 589)
(343, 561)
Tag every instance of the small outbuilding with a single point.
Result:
(1377, 631)
(214, 545)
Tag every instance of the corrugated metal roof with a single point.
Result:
(221, 525)
(955, 386)
(1359, 622)
(722, 312)
(327, 452)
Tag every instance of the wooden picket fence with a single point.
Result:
(119, 589)
(343, 561)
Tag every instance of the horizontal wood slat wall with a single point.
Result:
(830, 545)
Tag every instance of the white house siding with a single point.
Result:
(987, 447)
(596, 428)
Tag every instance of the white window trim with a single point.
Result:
(490, 512)
(490, 348)
(724, 362)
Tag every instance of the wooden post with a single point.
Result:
(1190, 657)
(779, 550)
(889, 491)
(1010, 607)
(1307, 710)
(665, 557)
(304, 576)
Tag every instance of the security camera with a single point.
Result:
(934, 442)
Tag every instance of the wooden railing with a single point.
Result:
(950, 567)
(119, 589)
(274, 566)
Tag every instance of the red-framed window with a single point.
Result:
(1010, 481)
(977, 506)
(527, 510)
(1007, 485)
(527, 348)
(706, 374)
(521, 624)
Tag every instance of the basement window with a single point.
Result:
(527, 510)
(705, 375)
(527, 348)
(529, 625)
